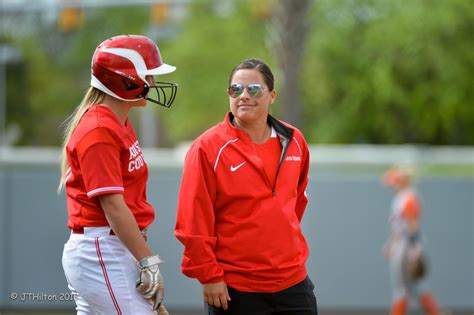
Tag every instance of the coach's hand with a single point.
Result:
(150, 283)
(216, 294)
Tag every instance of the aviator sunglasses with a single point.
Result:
(236, 90)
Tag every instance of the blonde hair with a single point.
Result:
(92, 96)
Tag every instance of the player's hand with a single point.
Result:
(150, 282)
(159, 295)
(216, 294)
(160, 310)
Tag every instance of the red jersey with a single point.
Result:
(236, 224)
(270, 152)
(105, 158)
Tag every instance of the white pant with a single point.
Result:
(402, 287)
(101, 273)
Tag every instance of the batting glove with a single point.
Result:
(150, 283)
(162, 310)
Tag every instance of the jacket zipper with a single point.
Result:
(282, 157)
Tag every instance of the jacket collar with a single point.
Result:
(281, 129)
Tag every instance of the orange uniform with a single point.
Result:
(406, 207)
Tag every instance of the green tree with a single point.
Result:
(57, 69)
(373, 71)
(210, 44)
(390, 72)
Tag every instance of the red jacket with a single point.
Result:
(234, 224)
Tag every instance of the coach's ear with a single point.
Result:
(273, 95)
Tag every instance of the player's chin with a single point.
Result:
(141, 103)
(250, 113)
(246, 111)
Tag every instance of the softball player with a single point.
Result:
(241, 201)
(404, 242)
(108, 264)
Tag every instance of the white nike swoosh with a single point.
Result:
(234, 168)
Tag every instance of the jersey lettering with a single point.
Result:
(293, 158)
(136, 157)
(134, 150)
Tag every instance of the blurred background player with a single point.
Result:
(241, 201)
(403, 248)
(105, 174)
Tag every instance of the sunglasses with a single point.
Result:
(235, 90)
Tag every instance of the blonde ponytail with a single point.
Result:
(93, 96)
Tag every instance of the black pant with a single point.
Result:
(296, 300)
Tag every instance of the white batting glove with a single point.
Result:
(150, 283)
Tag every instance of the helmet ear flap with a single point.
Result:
(129, 85)
(146, 89)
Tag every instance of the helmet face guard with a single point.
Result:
(121, 65)
(163, 93)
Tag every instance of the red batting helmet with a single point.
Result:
(121, 64)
